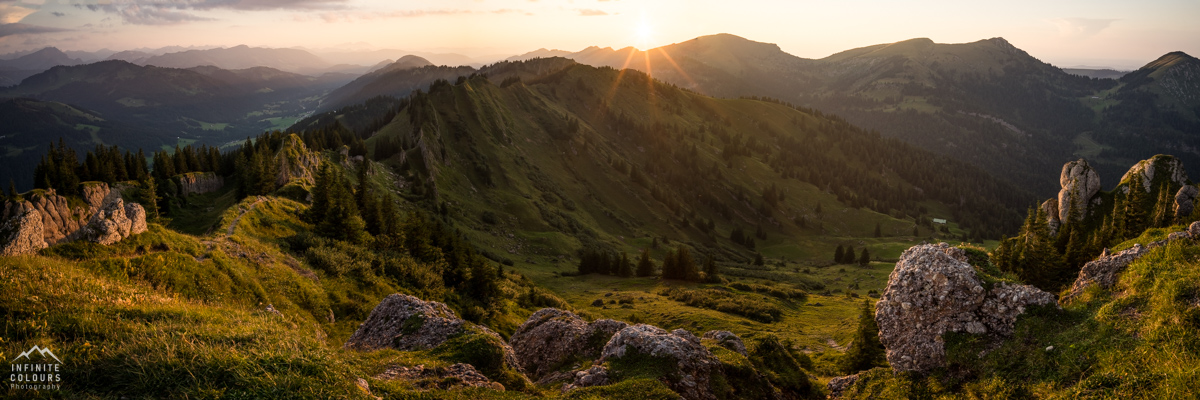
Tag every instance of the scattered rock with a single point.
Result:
(1194, 230)
(1080, 182)
(597, 303)
(727, 340)
(594, 376)
(405, 322)
(443, 378)
(21, 233)
(839, 385)
(1185, 200)
(933, 290)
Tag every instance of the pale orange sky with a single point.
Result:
(1122, 34)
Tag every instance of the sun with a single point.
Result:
(643, 33)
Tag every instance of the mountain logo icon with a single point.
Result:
(39, 350)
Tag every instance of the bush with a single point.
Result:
(719, 300)
(783, 293)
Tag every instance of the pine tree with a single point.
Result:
(710, 271)
(669, 266)
(837, 255)
(758, 259)
(865, 258)
(687, 265)
(645, 266)
(848, 255)
(1135, 217)
(625, 269)
(878, 230)
(12, 189)
(866, 351)
(148, 196)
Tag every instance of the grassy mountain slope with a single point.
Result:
(1133, 341)
(572, 157)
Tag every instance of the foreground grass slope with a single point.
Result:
(1135, 341)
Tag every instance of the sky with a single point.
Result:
(1121, 34)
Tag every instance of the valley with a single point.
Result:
(258, 223)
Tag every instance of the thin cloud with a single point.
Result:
(332, 17)
(169, 12)
(26, 29)
(1081, 27)
(588, 12)
(58, 14)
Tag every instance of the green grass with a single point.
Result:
(1135, 341)
(203, 212)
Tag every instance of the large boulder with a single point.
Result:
(1159, 165)
(21, 233)
(693, 364)
(1185, 200)
(551, 337)
(933, 290)
(1079, 183)
(405, 322)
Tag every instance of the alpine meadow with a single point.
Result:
(359, 199)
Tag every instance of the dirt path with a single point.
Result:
(233, 225)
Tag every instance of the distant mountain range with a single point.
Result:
(14, 70)
(987, 102)
(117, 102)
(1098, 73)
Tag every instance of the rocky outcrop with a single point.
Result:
(694, 364)
(22, 233)
(60, 221)
(441, 378)
(1185, 200)
(1079, 183)
(295, 162)
(1050, 208)
(552, 337)
(113, 223)
(103, 218)
(839, 385)
(727, 340)
(1164, 165)
(199, 183)
(933, 290)
(405, 322)
(1103, 270)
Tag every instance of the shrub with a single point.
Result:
(723, 301)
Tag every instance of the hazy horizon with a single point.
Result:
(1067, 34)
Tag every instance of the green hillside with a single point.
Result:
(489, 196)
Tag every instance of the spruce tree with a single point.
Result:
(866, 351)
(148, 196)
(625, 269)
(758, 259)
(710, 271)
(645, 266)
(848, 255)
(669, 266)
(865, 258)
(837, 255)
